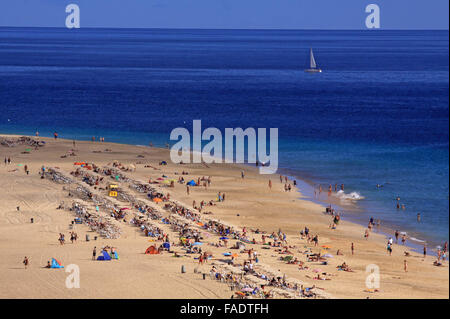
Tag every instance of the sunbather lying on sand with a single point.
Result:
(344, 267)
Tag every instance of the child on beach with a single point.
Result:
(26, 262)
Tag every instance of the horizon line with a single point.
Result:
(237, 29)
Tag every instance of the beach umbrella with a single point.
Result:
(326, 246)
(247, 289)
(317, 270)
(240, 293)
(166, 182)
(160, 179)
(200, 224)
(197, 243)
(224, 238)
(157, 200)
(328, 256)
(226, 254)
(235, 255)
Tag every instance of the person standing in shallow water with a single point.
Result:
(26, 262)
(403, 239)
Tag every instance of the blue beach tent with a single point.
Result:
(104, 256)
(56, 264)
(191, 183)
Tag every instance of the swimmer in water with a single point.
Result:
(418, 217)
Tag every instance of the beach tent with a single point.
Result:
(166, 245)
(104, 256)
(151, 250)
(56, 264)
(191, 183)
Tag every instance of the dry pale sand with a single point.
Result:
(249, 202)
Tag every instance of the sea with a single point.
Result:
(378, 114)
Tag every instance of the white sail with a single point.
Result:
(312, 61)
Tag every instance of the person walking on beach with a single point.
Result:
(405, 265)
(94, 253)
(187, 190)
(424, 251)
(396, 236)
(353, 249)
(55, 135)
(26, 262)
(270, 184)
(242, 174)
(366, 234)
(389, 249)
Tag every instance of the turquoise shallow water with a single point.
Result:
(378, 114)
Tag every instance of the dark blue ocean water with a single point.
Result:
(378, 114)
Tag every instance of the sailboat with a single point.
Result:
(312, 64)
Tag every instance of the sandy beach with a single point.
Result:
(249, 204)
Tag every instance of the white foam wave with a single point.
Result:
(351, 196)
